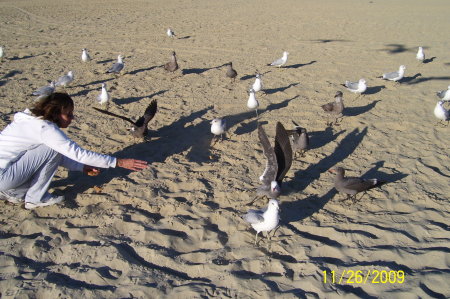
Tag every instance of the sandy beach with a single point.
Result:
(175, 230)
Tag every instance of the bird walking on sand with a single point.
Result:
(395, 76)
(44, 91)
(170, 33)
(218, 128)
(252, 102)
(441, 113)
(65, 80)
(231, 72)
(353, 185)
(257, 85)
(444, 95)
(281, 61)
(117, 67)
(420, 56)
(264, 220)
(172, 65)
(140, 127)
(335, 108)
(85, 57)
(300, 140)
(103, 97)
(356, 87)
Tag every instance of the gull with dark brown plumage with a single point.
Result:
(300, 140)
(353, 185)
(231, 72)
(335, 108)
(140, 127)
(172, 65)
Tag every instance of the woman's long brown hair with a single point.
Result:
(51, 107)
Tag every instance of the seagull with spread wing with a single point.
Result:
(140, 127)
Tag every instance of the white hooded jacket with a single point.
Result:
(27, 132)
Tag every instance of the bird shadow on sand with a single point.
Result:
(434, 168)
(105, 61)
(25, 57)
(318, 139)
(326, 41)
(247, 77)
(355, 111)
(2, 82)
(296, 66)
(396, 49)
(410, 79)
(424, 79)
(429, 60)
(388, 177)
(345, 148)
(198, 71)
(12, 74)
(98, 82)
(374, 89)
(137, 99)
(145, 69)
(279, 89)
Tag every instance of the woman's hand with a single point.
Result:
(132, 164)
(92, 171)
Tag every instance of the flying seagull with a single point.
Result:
(279, 160)
(353, 185)
(140, 127)
(264, 220)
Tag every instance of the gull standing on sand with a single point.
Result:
(395, 76)
(85, 55)
(172, 65)
(352, 185)
(231, 72)
(444, 95)
(300, 140)
(279, 161)
(117, 67)
(356, 87)
(264, 220)
(65, 80)
(420, 56)
(218, 127)
(281, 61)
(44, 91)
(252, 102)
(441, 113)
(103, 97)
(140, 127)
(257, 85)
(170, 33)
(335, 108)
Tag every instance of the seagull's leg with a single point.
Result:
(254, 199)
(214, 141)
(256, 238)
(257, 116)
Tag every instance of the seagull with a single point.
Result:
(335, 108)
(420, 56)
(356, 87)
(279, 160)
(103, 97)
(252, 102)
(352, 185)
(170, 33)
(65, 80)
(444, 95)
(2, 53)
(44, 91)
(300, 140)
(441, 113)
(231, 72)
(172, 65)
(264, 220)
(257, 85)
(281, 61)
(140, 127)
(218, 127)
(85, 55)
(117, 67)
(395, 76)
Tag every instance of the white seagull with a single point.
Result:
(85, 55)
(2, 53)
(257, 85)
(252, 102)
(264, 220)
(281, 61)
(441, 113)
(395, 76)
(420, 56)
(117, 67)
(170, 33)
(65, 80)
(103, 97)
(218, 127)
(444, 95)
(44, 91)
(356, 87)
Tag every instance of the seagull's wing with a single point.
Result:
(254, 216)
(283, 151)
(277, 62)
(116, 67)
(148, 114)
(46, 90)
(115, 115)
(391, 75)
(441, 94)
(271, 170)
(351, 85)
